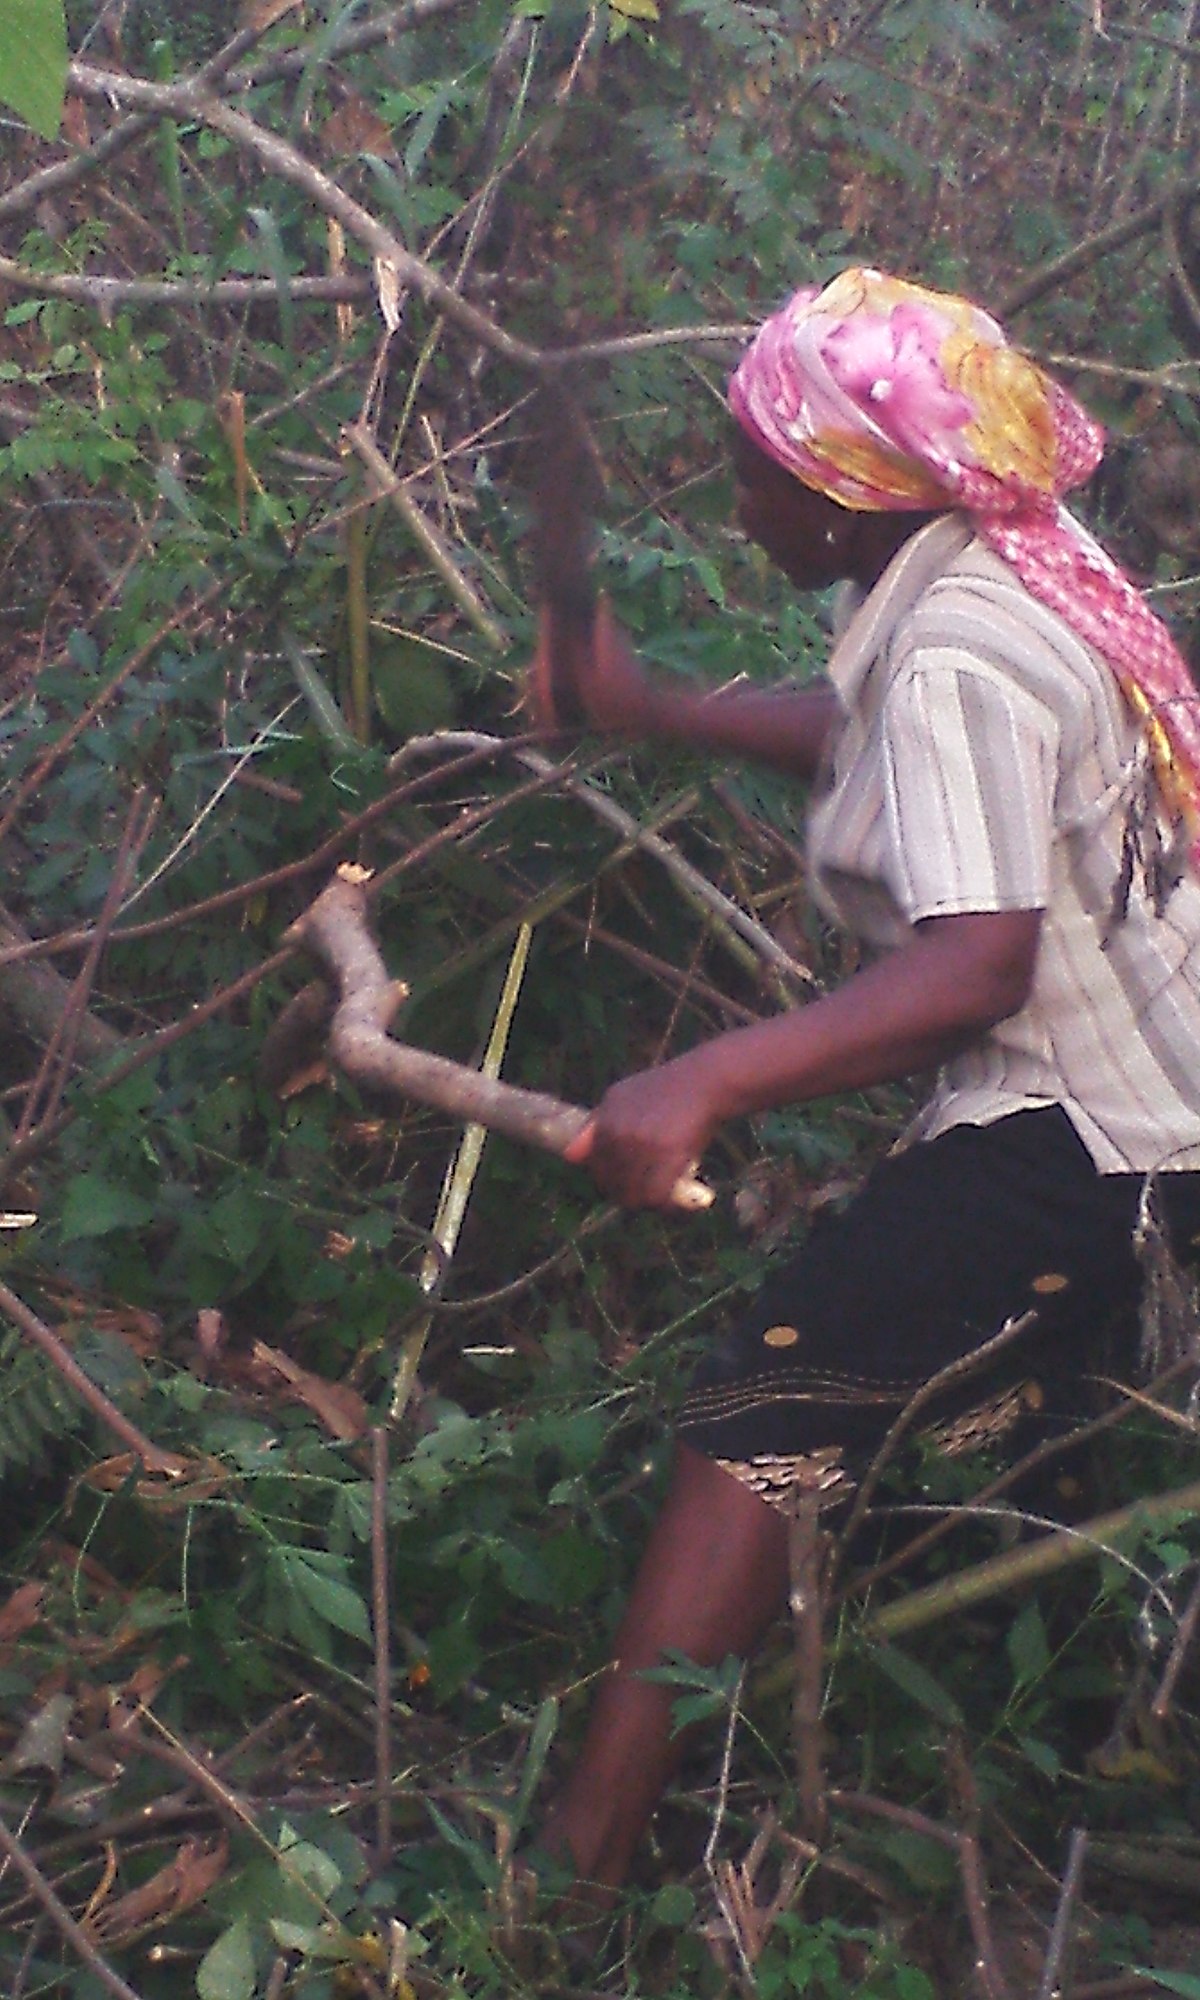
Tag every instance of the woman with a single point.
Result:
(1009, 822)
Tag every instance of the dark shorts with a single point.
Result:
(946, 1243)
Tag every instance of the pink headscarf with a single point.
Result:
(885, 396)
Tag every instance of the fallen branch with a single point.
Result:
(335, 930)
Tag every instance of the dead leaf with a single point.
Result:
(210, 1332)
(341, 1410)
(356, 127)
(22, 1609)
(184, 1881)
(308, 1078)
(231, 414)
(181, 1483)
(387, 287)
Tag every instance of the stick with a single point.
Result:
(61, 1917)
(335, 929)
(34, 1329)
(804, 1572)
(1062, 1916)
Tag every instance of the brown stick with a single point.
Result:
(335, 930)
(1160, 1707)
(61, 1917)
(971, 1871)
(34, 1329)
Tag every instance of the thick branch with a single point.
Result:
(37, 997)
(1093, 248)
(335, 930)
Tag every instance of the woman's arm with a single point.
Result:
(786, 728)
(955, 978)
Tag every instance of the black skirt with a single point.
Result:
(948, 1243)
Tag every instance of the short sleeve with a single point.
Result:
(970, 767)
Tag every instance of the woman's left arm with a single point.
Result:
(910, 1011)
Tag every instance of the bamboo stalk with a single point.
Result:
(1021, 1566)
(460, 1177)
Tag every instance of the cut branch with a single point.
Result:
(335, 930)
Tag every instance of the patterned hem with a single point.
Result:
(775, 1476)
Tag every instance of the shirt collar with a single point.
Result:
(917, 564)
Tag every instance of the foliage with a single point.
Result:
(33, 61)
(226, 651)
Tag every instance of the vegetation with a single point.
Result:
(328, 1438)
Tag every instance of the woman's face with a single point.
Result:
(811, 539)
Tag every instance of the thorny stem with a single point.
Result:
(1051, 1448)
(966, 1364)
(60, 1049)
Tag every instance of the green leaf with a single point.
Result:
(918, 1683)
(412, 689)
(673, 1907)
(636, 10)
(1028, 1650)
(1185, 1983)
(1043, 1756)
(329, 1596)
(226, 1972)
(95, 1207)
(540, 1739)
(33, 61)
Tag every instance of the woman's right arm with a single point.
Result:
(787, 728)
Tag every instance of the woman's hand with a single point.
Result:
(605, 681)
(648, 1133)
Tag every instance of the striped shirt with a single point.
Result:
(987, 761)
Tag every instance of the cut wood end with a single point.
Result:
(692, 1196)
(354, 873)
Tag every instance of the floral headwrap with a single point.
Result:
(885, 396)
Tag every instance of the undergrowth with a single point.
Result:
(282, 1701)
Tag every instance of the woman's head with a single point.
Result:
(889, 400)
(887, 397)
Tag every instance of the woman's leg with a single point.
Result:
(714, 1576)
